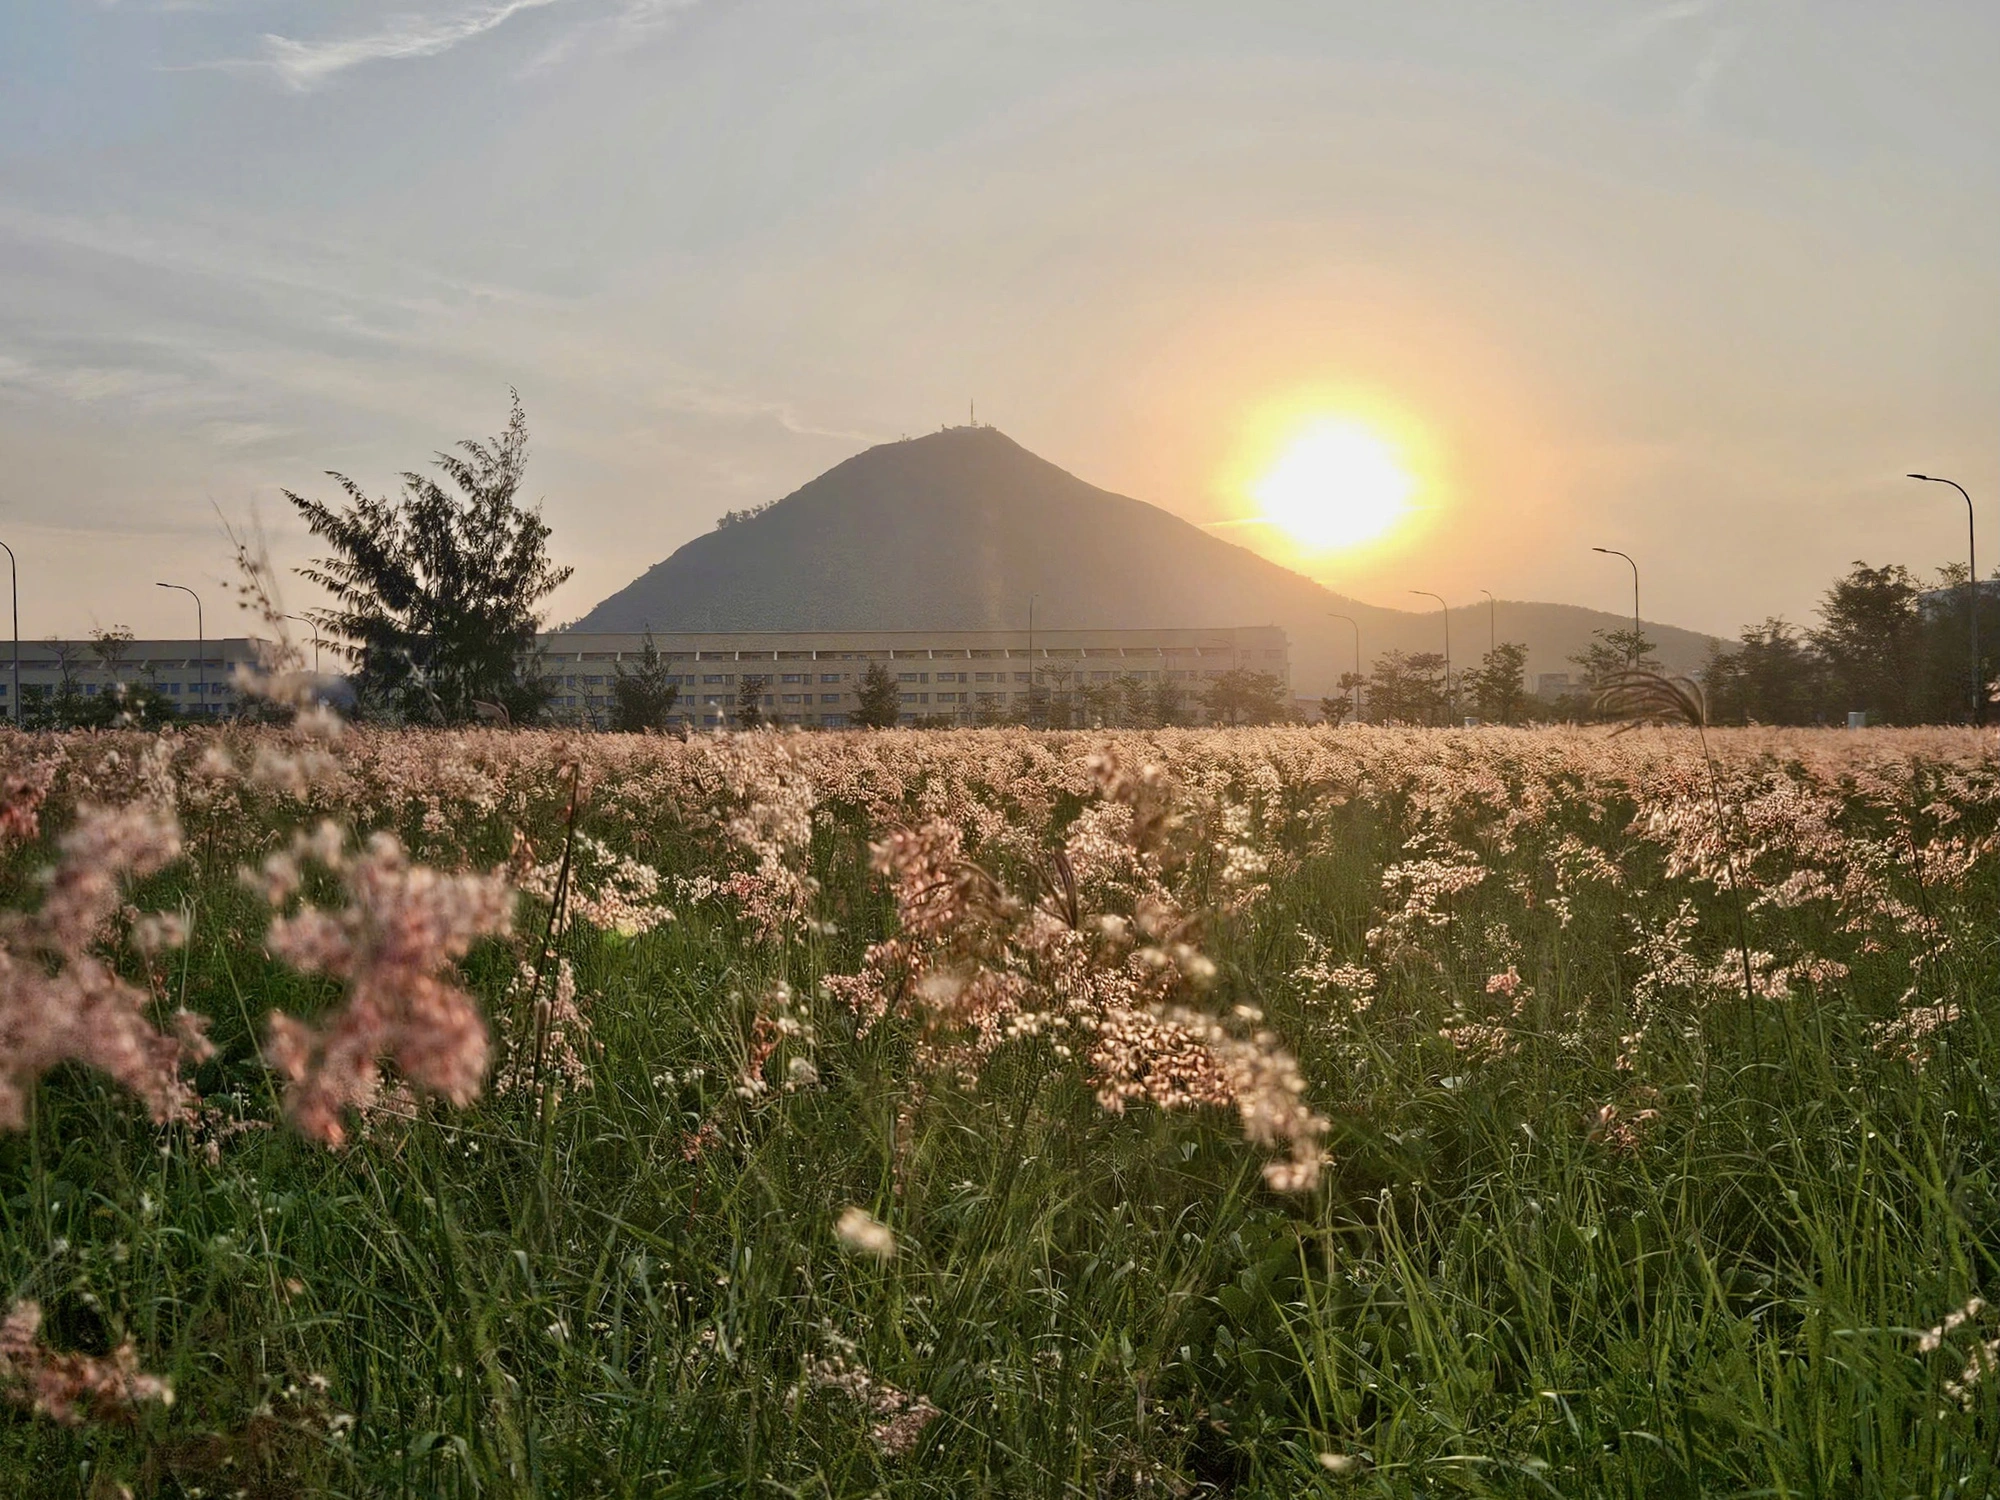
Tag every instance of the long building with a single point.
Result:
(809, 678)
(194, 675)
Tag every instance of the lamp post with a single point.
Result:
(1357, 659)
(1450, 692)
(315, 630)
(14, 591)
(1492, 622)
(1614, 552)
(200, 644)
(1972, 578)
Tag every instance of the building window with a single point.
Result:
(1020, 676)
(829, 677)
(982, 676)
(829, 697)
(794, 677)
(797, 698)
(906, 677)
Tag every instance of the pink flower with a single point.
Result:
(59, 1001)
(57, 1385)
(402, 923)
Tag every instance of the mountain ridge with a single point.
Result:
(955, 530)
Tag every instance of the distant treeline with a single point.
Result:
(1884, 645)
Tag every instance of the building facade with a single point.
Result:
(809, 678)
(195, 676)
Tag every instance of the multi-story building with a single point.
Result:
(810, 678)
(194, 676)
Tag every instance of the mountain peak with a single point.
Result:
(957, 529)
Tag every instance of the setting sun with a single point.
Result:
(1336, 484)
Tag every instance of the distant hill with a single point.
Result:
(954, 531)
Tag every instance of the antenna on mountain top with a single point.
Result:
(972, 413)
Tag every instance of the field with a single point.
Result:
(1237, 1112)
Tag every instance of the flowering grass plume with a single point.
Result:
(60, 1001)
(900, 1418)
(864, 1234)
(69, 1387)
(402, 923)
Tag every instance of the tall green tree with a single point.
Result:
(1770, 676)
(1497, 689)
(1869, 637)
(1241, 696)
(1168, 705)
(643, 694)
(750, 700)
(1612, 652)
(437, 590)
(878, 701)
(1408, 688)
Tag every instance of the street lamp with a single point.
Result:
(1357, 659)
(1492, 622)
(315, 630)
(200, 644)
(1972, 577)
(1614, 552)
(14, 582)
(1450, 692)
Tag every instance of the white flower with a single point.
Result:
(864, 1234)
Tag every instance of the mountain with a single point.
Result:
(956, 529)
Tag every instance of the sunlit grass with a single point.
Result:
(1490, 1293)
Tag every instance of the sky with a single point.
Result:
(1697, 279)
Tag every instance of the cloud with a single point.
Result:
(307, 65)
(1722, 50)
(1632, 34)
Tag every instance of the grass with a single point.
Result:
(1488, 1294)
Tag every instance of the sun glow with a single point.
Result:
(1336, 484)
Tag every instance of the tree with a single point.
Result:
(437, 591)
(1335, 709)
(1615, 651)
(1134, 703)
(65, 707)
(1498, 687)
(878, 701)
(1351, 686)
(1771, 676)
(1051, 705)
(1241, 696)
(643, 695)
(749, 700)
(1408, 689)
(1169, 704)
(1868, 637)
(110, 646)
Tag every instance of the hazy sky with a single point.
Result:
(1698, 279)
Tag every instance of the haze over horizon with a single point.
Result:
(1700, 280)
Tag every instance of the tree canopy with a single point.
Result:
(437, 589)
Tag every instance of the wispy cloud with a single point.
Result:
(1722, 50)
(1633, 33)
(630, 24)
(308, 64)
